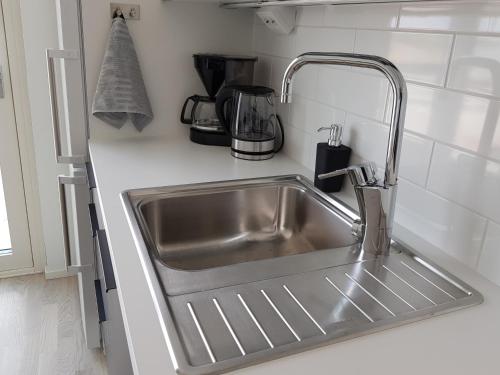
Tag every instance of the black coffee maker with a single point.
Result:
(198, 111)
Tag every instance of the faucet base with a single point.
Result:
(376, 207)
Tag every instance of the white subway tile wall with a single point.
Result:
(475, 65)
(404, 49)
(449, 191)
(489, 263)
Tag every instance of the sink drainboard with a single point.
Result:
(234, 326)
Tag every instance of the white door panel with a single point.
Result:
(79, 248)
(74, 144)
(20, 255)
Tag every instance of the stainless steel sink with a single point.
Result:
(231, 224)
(249, 270)
(206, 236)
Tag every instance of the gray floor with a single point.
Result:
(41, 329)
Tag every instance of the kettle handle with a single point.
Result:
(189, 121)
(225, 95)
(282, 132)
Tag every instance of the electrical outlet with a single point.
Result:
(279, 19)
(129, 11)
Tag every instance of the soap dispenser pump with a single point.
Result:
(331, 156)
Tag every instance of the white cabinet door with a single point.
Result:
(15, 244)
(70, 133)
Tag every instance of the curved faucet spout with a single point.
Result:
(376, 200)
(398, 90)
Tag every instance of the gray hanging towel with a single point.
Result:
(120, 92)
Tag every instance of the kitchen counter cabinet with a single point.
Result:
(462, 342)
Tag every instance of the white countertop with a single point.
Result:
(462, 342)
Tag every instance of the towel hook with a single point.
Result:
(126, 11)
(118, 13)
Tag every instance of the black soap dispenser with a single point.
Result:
(331, 156)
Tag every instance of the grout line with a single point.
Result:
(410, 81)
(400, 29)
(455, 147)
(398, 21)
(425, 137)
(355, 41)
(417, 134)
(323, 16)
(449, 32)
(481, 248)
(454, 90)
(448, 200)
(429, 166)
(450, 59)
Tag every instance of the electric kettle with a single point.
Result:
(249, 116)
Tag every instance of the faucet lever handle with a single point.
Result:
(360, 175)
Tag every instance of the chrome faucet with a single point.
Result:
(376, 199)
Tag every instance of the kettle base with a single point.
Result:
(255, 157)
(253, 150)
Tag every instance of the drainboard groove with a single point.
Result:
(388, 288)
(229, 327)
(304, 309)
(433, 269)
(280, 315)
(254, 319)
(426, 279)
(350, 300)
(368, 293)
(200, 331)
(408, 284)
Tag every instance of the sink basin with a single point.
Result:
(251, 270)
(205, 236)
(226, 225)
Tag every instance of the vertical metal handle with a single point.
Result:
(101, 311)
(107, 264)
(51, 55)
(63, 181)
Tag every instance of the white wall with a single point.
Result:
(165, 37)
(450, 166)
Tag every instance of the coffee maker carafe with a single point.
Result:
(198, 111)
